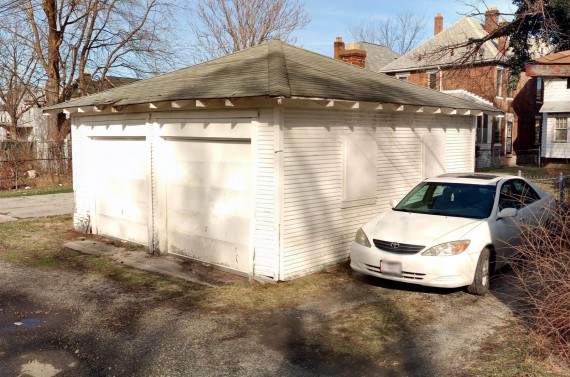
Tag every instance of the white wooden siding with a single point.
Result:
(317, 230)
(555, 90)
(550, 148)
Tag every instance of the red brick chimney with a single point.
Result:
(438, 24)
(353, 55)
(503, 41)
(338, 47)
(491, 20)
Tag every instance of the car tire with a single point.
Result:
(480, 284)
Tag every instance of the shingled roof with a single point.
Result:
(273, 69)
(436, 52)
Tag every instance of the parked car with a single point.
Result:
(451, 231)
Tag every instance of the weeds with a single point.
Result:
(542, 268)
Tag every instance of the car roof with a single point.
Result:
(471, 178)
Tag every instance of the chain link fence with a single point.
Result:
(23, 164)
(557, 185)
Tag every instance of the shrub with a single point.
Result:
(542, 269)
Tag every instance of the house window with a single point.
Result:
(537, 129)
(538, 89)
(432, 80)
(403, 76)
(483, 129)
(499, 89)
(561, 130)
(360, 172)
(509, 138)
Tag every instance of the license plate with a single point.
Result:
(391, 268)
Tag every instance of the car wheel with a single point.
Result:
(480, 283)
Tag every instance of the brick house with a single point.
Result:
(552, 73)
(440, 64)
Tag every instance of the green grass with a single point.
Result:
(36, 191)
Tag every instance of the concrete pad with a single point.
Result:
(163, 265)
(92, 247)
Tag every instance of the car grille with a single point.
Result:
(397, 248)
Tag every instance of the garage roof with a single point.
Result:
(274, 69)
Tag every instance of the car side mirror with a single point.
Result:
(507, 212)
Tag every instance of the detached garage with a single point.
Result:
(264, 162)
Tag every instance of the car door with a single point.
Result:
(518, 194)
(506, 231)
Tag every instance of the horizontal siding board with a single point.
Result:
(318, 231)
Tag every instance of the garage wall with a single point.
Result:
(149, 129)
(318, 225)
(112, 150)
(202, 160)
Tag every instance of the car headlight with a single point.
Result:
(361, 238)
(447, 248)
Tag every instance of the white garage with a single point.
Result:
(259, 163)
(121, 188)
(206, 169)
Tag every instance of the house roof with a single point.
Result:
(551, 65)
(273, 69)
(562, 57)
(377, 56)
(465, 94)
(432, 54)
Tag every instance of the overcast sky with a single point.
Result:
(332, 18)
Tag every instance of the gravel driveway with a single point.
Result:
(68, 323)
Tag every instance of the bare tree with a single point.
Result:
(534, 23)
(222, 27)
(71, 37)
(401, 33)
(19, 81)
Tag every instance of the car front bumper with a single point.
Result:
(433, 271)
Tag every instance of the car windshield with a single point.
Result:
(449, 199)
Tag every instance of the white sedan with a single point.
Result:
(450, 231)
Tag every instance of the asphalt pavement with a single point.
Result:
(22, 207)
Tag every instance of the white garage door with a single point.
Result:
(208, 200)
(121, 188)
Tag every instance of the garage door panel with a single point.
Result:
(121, 188)
(225, 175)
(227, 228)
(209, 151)
(210, 250)
(133, 211)
(209, 200)
(218, 202)
(128, 230)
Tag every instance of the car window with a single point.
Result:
(449, 199)
(517, 193)
(528, 194)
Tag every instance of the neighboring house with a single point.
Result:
(30, 125)
(552, 73)
(363, 54)
(440, 64)
(264, 162)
